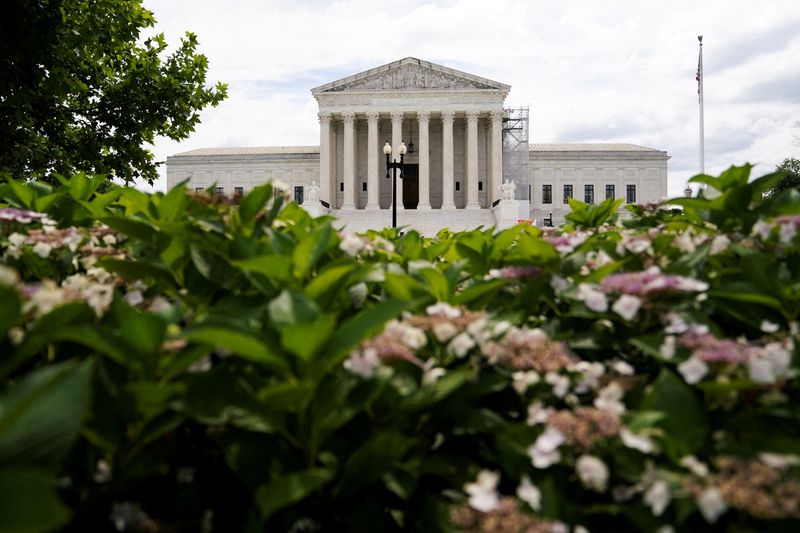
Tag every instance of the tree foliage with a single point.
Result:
(82, 88)
(791, 166)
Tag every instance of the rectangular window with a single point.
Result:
(610, 192)
(198, 189)
(341, 186)
(588, 194)
(364, 186)
(298, 194)
(480, 185)
(547, 194)
(218, 190)
(631, 194)
(567, 193)
(458, 185)
(238, 190)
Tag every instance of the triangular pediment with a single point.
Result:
(410, 74)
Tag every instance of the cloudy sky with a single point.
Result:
(610, 71)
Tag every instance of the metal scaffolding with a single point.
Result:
(515, 150)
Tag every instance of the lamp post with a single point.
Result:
(393, 166)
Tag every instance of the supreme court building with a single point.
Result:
(469, 160)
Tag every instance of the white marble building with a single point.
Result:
(454, 170)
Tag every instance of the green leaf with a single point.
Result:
(10, 309)
(292, 307)
(310, 249)
(277, 267)
(24, 194)
(478, 290)
(685, 423)
(291, 488)
(143, 331)
(40, 416)
(29, 501)
(304, 340)
(254, 202)
(137, 229)
(245, 345)
(328, 280)
(371, 460)
(705, 179)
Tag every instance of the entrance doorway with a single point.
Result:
(411, 186)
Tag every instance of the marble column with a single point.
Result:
(397, 138)
(496, 149)
(372, 160)
(349, 168)
(325, 176)
(472, 160)
(447, 160)
(423, 117)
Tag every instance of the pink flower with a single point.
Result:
(19, 215)
(651, 281)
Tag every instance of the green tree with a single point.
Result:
(791, 166)
(81, 89)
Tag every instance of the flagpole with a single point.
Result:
(700, 93)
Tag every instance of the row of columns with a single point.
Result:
(327, 173)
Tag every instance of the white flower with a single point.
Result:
(73, 240)
(363, 363)
(609, 399)
(99, 297)
(42, 249)
(592, 472)
(684, 243)
(711, 504)
(109, 240)
(636, 442)
(16, 335)
(761, 370)
(483, 494)
(16, 239)
(658, 496)
(501, 327)
(787, 233)
(443, 309)
(8, 276)
(432, 375)
(693, 370)
(100, 274)
(279, 185)
(412, 337)
(771, 364)
(667, 348)
(444, 331)
(530, 494)
(47, 297)
(719, 244)
(461, 344)
(593, 297)
(694, 465)
(524, 379)
(665, 529)
(544, 452)
(762, 229)
(622, 368)
(627, 306)
(351, 244)
(592, 372)
(560, 383)
(358, 293)
(677, 324)
(769, 327)
(477, 328)
(133, 298)
(559, 284)
(778, 460)
(537, 413)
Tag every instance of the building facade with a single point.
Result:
(457, 132)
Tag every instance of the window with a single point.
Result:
(341, 186)
(238, 191)
(567, 193)
(198, 189)
(364, 186)
(298, 194)
(547, 194)
(480, 185)
(458, 185)
(631, 194)
(218, 190)
(610, 192)
(588, 194)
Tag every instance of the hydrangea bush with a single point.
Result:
(188, 362)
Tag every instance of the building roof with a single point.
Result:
(250, 150)
(590, 147)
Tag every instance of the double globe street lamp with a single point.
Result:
(393, 166)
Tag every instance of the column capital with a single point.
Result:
(472, 116)
(447, 117)
(348, 117)
(497, 116)
(373, 116)
(324, 118)
(423, 116)
(397, 117)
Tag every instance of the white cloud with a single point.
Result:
(599, 71)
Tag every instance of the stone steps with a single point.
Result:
(427, 222)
